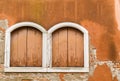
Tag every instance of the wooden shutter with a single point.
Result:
(26, 47)
(67, 48)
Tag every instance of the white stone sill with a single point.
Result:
(40, 69)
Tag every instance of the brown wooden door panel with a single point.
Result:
(71, 47)
(22, 46)
(18, 47)
(75, 48)
(60, 48)
(55, 45)
(34, 49)
(26, 47)
(13, 51)
(67, 48)
(79, 48)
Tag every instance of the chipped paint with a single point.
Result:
(95, 63)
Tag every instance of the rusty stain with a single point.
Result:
(61, 75)
(108, 40)
(107, 23)
(112, 50)
(102, 39)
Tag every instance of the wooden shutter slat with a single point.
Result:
(79, 48)
(55, 51)
(13, 50)
(63, 47)
(61, 56)
(18, 47)
(34, 48)
(75, 48)
(71, 47)
(22, 33)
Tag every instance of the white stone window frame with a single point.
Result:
(7, 49)
(86, 48)
(46, 49)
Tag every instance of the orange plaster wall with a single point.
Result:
(98, 16)
(102, 73)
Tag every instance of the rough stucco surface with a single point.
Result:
(99, 17)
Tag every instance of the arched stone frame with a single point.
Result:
(7, 48)
(46, 51)
(86, 49)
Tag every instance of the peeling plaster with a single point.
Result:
(115, 71)
(94, 62)
(3, 27)
(4, 24)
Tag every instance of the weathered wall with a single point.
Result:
(92, 14)
(99, 17)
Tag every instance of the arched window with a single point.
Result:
(24, 47)
(30, 48)
(68, 48)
